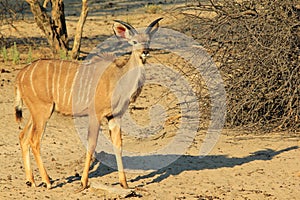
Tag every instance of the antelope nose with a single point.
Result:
(145, 53)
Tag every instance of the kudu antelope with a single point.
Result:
(46, 86)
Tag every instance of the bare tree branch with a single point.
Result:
(54, 28)
(79, 29)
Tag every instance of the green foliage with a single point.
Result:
(63, 55)
(29, 56)
(15, 54)
(4, 54)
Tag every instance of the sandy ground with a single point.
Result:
(241, 165)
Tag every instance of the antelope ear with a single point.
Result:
(123, 30)
(153, 27)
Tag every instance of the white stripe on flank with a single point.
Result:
(23, 76)
(81, 85)
(72, 87)
(47, 79)
(87, 78)
(31, 77)
(65, 84)
(90, 84)
(53, 77)
(58, 80)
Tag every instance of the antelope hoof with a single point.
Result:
(124, 185)
(30, 184)
(46, 185)
(81, 188)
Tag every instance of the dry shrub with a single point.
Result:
(10, 11)
(256, 46)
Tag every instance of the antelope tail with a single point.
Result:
(18, 105)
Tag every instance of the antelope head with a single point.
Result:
(140, 41)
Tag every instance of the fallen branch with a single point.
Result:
(121, 192)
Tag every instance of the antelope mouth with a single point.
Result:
(144, 56)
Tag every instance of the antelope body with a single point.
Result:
(70, 88)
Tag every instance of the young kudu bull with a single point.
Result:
(49, 85)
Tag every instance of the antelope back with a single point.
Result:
(69, 85)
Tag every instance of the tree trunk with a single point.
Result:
(58, 17)
(54, 29)
(79, 29)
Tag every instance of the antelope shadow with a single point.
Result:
(180, 163)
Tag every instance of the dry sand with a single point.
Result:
(240, 166)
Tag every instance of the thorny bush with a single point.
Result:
(256, 47)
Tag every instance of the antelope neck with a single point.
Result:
(135, 60)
